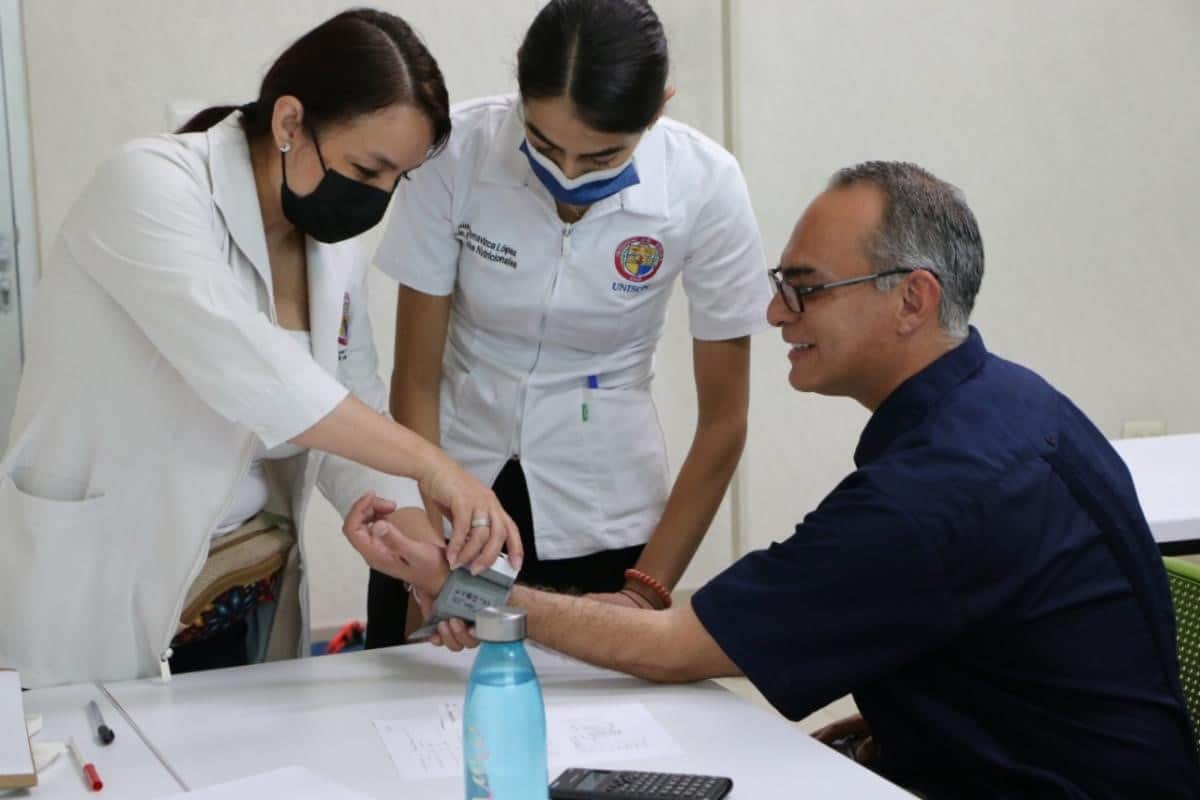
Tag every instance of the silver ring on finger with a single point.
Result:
(481, 521)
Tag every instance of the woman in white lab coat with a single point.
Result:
(536, 258)
(202, 359)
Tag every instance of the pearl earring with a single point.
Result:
(285, 147)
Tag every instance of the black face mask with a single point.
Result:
(338, 209)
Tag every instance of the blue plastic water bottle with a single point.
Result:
(504, 720)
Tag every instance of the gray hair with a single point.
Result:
(926, 225)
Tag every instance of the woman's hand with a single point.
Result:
(386, 549)
(414, 523)
(454, 635)
(356, 431)
(481, 527)
(366, 510)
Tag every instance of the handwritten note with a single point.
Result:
(425, 746)
(583, 735)
(429, 744)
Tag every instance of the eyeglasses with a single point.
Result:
(793, 296)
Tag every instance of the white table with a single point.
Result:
(127, 766)
(216, 726)
(1166, 473)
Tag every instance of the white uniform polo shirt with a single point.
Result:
(553, 326)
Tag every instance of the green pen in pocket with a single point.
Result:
(592, 383)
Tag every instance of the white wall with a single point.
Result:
(104, 71)
(1073, 126)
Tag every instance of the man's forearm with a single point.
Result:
(665, 646)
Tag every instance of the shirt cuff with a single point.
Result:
(297, 413)
(728, 631)
(715, 330)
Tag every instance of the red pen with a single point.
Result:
(90, 776)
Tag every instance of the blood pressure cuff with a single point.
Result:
(464, 594)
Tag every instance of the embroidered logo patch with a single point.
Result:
(638, 258)
(495, 251)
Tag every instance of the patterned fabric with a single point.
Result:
(226, 610)
(1185, 593)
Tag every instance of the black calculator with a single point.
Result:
(604, 784)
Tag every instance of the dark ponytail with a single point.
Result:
(203, 120)
(358, 62)
(608, 57)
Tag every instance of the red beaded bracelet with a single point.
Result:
(653, 583)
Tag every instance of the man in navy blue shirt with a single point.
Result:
(984, 582)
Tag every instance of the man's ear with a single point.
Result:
(920, 298)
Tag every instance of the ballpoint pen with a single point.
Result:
(103, 732)
(592, 383)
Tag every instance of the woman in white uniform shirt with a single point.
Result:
(536, 257)
(195, 317)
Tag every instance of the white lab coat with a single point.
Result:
(540, 305)
(153, 366)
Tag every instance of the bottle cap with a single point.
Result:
(503, 624)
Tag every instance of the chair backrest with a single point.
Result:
(1184, 577)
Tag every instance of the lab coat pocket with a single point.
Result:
(44, 488)
(50, 522)
(50, 525)
(624, 436)
(58, 584)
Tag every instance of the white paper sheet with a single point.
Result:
(425, 745)
(601, 734)
(428, 742)
(294, 783)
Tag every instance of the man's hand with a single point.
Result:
(850, 736)
(386, 549)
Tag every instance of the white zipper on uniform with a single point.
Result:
(514, 446)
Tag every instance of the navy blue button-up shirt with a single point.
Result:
(986, 586)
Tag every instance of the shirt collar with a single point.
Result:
(905, 407)
(235, 192)
(506, 165)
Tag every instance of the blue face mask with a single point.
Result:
(588, 188)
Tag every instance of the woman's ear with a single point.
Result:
(287, 121)
(668, 93)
